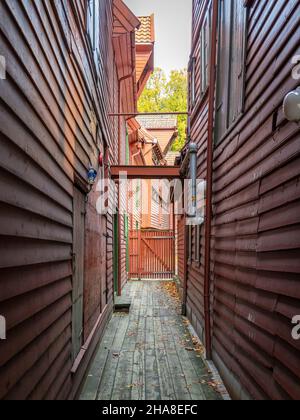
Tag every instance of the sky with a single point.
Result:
(172, 30)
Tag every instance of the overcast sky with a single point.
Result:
(172, 30)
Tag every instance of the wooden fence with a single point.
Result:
(152, 254)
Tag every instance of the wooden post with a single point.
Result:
(139, 253)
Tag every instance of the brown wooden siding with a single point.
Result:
(255, 244)
(181, 248)
(49, 101)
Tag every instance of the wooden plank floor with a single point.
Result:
(149, 353)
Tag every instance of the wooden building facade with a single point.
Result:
(65, 71)
(253, 256)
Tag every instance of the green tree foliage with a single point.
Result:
(162, 95)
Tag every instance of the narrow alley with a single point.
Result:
(149, 201)
(150, 354)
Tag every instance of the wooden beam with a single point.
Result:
(146, 172)
(142, 114)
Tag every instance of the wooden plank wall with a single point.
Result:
(256, 204)
(180, 247)
(47, 107)
(199, 116)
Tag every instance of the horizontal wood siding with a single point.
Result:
(48, 105)
(256, 223)
(180, 247)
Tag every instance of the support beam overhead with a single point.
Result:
(146, 172)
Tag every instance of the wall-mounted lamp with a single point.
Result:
(92, 175)
(291, 105)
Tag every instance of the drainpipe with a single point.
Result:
(209, 179)
(193, 149)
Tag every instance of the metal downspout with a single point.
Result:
(190, 159)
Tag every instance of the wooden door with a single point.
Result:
(78, 270)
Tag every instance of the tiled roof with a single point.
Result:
(158, 122)
(145, 34)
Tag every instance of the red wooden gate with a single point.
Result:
(152, 254)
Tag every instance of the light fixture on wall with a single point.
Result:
(92, 175)
(291, 106)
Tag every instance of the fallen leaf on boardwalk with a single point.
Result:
(171, 289)
(134, 385)
(189, 348)
(116, 354)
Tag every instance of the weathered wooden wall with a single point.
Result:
(180, 247)
(255, 244)
(198, 121)
(49, 103)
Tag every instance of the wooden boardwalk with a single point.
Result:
(149, 353)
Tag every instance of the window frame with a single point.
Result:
(205, 47)
(190, 244)
(232, 111)
(193, 82)
(93, 27)
(201, 63)
(90, 22)
(198, 244)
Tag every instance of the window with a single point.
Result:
(199, 66)
(231, 64)
(190, 244)
(194, 244)
(198, 243)
(93, 23)
(193, 82)
(205, 51)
